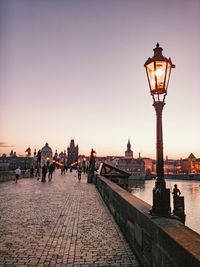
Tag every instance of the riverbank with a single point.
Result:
(192, 176)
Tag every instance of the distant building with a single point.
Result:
(72, 153)
(133, 166)
(129, 152)
(46, 154)
(63, 157)
(190, 164)
(148, 165)
(170, 166)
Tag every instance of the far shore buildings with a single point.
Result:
(130, 164)
(190, 165)
(137, 167)
(145, 166)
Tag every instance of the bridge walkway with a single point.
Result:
(59, 223)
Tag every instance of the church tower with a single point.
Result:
(129, 152)
(72, 153)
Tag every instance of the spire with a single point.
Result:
(191, 156)
(129, 152)
(72, 143)
(128, 145)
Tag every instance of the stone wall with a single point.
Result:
(157, 241)
(10, 175)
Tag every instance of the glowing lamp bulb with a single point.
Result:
(159, 73)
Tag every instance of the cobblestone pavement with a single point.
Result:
(59, 223)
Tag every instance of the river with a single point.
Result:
(189, 189)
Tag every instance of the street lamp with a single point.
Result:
(158, 69)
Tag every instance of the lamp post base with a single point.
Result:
(161, 202)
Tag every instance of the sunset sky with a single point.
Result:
(75, 69)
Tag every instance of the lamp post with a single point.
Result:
(158, 69)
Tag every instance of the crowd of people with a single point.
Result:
(46, 171)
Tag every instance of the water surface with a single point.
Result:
(189, 189)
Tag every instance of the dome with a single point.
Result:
(46, 148)
(46, 153)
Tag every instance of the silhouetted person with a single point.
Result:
(44, 173)
(62, 169)
(39, 156)
(51, 170)
(79, 173)
(66, 168)
(176, 192)
(37, 174)
(48, 163)
(84, 169)
(31, 171)
(17, 174)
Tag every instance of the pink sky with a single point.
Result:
(76, 69)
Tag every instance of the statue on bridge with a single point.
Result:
(179, 206)
(91, 166)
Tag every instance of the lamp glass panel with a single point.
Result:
(160, 69)
(168, 71)
(151, 76)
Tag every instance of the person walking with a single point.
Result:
(37, 174)
(62, 168)
(51, 170)
(17, 174)
(79, 172)
(44, 173)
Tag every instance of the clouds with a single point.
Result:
(3, 144)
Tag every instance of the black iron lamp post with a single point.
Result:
(158, 69)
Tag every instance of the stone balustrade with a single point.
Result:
(10, 175)
(157, 241)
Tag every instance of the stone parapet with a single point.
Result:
(6, 176)
(157, 241)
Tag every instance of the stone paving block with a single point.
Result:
(59, 223)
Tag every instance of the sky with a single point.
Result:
(75, 69)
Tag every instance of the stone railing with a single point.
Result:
(10, 175)
(157, 241)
